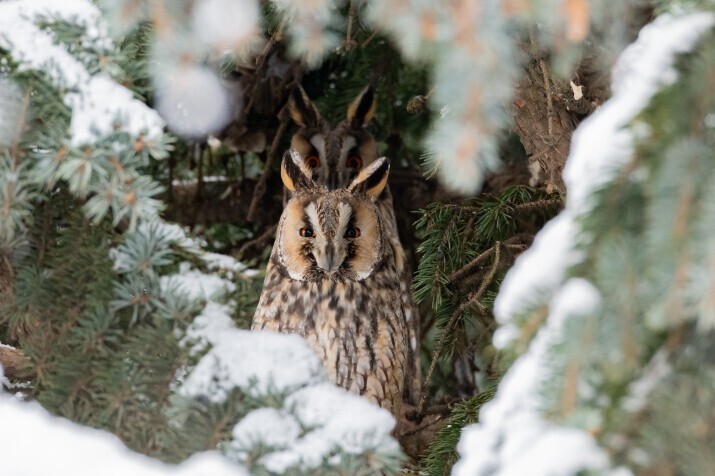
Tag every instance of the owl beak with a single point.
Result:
(327, 261)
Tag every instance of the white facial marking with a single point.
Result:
(348, 144)
(344, 215)
(312, 211)
(318, 142)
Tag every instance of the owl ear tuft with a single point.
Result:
(372, 179)
(363, 107)
(295, 173)
(302, 110)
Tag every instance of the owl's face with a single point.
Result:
(334, 156)
(336, 235)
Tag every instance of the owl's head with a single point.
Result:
(334, 155)
(335, 234)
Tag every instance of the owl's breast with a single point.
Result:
(356, 327)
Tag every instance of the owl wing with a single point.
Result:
(413, 370)
(267, 314)
(388, 349)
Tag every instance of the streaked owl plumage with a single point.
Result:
(337, 284)
(335, 156)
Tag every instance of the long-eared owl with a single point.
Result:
(334, 157)
(332, 278)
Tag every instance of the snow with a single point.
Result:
(99, 105)
(266, 426)
(102, 104)
(513, 437)
(207, 179)
(11, 103)
(226, 23)
(192, 100)
(197, 285)
(638, 390)
(336, 421)
(601, 146)
(219, 262)
(256, 362)
(68, 448)
(603, 143)
(194, 283)
(340, 418)
(315, 421)
(543, 268)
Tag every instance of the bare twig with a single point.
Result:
(171, 162)
(275, 38)
(475, 297)
(434, 409)
(518, 248)
(421, 427)
(470, 267)
(261, 185)
(260, 241)
(349, 42)
(369, 39)
(549, 99)
(200, 174)
(260, 64)
(519, 238)
(539, 204)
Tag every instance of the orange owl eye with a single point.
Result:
(312, 161)
(353, 232)
(354, 162)
(306, 232)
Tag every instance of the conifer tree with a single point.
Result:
(117, 120)
(610, 312)
(122, 321)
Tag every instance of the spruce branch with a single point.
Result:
(513, 243)
(450, 325)
(442, 453)
(475, 297)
